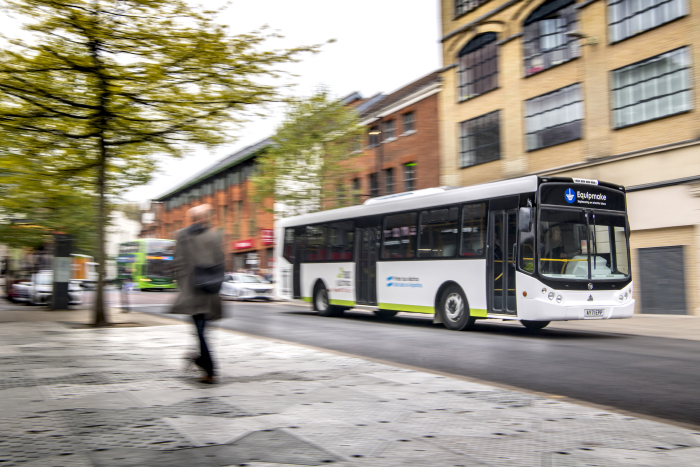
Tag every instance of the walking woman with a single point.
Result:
(197, 254)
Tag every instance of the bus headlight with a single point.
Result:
(551, 295)
(544, 290)
(559, 299)
(626, 295)
(620, 298)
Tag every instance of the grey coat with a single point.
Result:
(196, 246)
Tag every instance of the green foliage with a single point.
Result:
(310, 157)
(103, 89)
(139, 78)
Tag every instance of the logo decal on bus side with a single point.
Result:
(412, 282)
(570, 196)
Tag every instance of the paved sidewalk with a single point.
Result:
(71, 395)
(669, 326)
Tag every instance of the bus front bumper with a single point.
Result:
(539, 310)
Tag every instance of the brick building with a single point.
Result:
(246, 228)
(597, 89)
(402, 147)
(400, 153)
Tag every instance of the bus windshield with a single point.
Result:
(583, 244)
(158, 268)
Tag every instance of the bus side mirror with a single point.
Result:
(525, 219)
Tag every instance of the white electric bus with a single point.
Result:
(533, 249)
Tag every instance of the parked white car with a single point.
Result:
(245, 287)
(38, 290)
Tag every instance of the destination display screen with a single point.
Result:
(582, 196)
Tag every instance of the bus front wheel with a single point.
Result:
(455, 309)
(321, 303)
(534, 325)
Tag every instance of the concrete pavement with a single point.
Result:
(120, 396)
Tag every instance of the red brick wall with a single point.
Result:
(176, 218)
(421, 147)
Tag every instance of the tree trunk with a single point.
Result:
(99, 318)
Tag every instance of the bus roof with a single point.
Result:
(438, 196)
(420, 199)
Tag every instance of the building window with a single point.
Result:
(374, 136)
(389, 178)
(389, 130)
(480, 140)
(409, 122)
(409, 176)
(545, 40)
(465, 6)
(373, 185)
(253, 208)
(653, 88)
(478, 66)
(340, 198)
(554, 118)
(237, 215)
(630, 17)
(356, 190)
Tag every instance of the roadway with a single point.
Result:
(650, 376)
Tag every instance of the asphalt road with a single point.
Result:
(645, 375)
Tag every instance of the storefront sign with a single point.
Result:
(267, 236)
(242, 244)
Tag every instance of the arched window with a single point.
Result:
(545, 40)
(478, 66)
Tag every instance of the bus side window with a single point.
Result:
(341, 241)
(473, 230)
(399, 239)
(438, 233)
(316, 246)
(288, 252)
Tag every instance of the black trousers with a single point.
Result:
(204, 360)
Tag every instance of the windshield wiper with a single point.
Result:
(595, 243)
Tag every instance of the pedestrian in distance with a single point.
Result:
(199, 270)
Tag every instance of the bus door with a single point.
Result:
(503, 233)
(368, 236)
(299, 250)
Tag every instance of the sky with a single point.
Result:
(381, 45)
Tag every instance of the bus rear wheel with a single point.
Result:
(321, 302)
(534, 325)
(454, 309)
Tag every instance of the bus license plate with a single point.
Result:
(594, 312)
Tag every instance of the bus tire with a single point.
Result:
(534, 325)
(320, 301)
(385, 314)
(454, 309)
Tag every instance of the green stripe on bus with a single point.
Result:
(475, 312)
(306, 299)
(342, 302)
(411, 308)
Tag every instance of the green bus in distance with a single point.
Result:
(147, 263)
